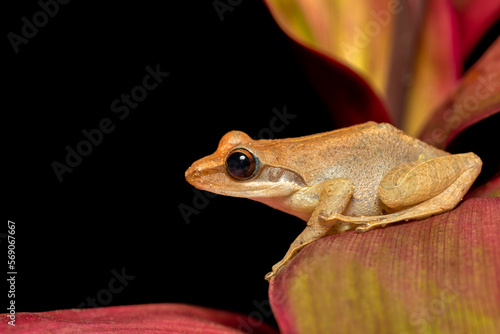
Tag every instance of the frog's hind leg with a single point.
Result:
(415, 182)
(421, 189)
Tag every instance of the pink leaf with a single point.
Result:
(148, 318)
(347, 94)
(407, 54)
(474, 18)
(438, 275)
(476, 97)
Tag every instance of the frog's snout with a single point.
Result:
(192, 175)
(204, 172)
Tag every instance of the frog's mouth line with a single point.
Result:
(256, 192)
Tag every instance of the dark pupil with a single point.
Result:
(238, 164)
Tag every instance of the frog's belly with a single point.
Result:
(365, 200)
(367, 205)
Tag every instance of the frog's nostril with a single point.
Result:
(204, 171)
(194, 173)
(191, 174)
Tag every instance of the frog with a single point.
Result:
(357, 178)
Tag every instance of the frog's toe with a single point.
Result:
(341, 227)
(369, 226)
(365, 227)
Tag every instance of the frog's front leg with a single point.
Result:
(334, 195)
(421, 189)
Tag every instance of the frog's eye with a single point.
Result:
(241, 164)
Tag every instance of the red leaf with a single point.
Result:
(407, 54)
(490, 189)
(476, 97)
(348, 95)
(148, 318)
(439, 275)
(474, 18)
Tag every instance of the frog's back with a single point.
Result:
(362, 153)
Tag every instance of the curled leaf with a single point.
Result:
(147, 318)
(476, 97)
(438, 275)
(410, 53)
(490, 189)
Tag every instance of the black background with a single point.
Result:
(119, 208)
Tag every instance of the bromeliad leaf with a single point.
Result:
(409, 52)
(146, 318)
(438, 275)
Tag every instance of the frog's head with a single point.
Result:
(243, 167)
